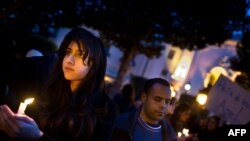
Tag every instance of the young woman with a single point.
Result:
(75, 106)
(180, 117)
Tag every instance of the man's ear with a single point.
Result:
(143, 97)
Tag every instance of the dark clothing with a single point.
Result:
(205, 135)
(26, 78)
(125, 125)
(102, 130)
(29, 77)
(124, 104)
(177, 125)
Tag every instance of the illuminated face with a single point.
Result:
(212, 124)
(155, 103)
(74, 68)
(184, 116)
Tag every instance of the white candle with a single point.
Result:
(23, 105)
(179, 134)
(185, 132)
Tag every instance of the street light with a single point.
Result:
(201, 98)
(216, 72)
(187, 86)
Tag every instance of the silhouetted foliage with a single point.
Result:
(139, 27)
(127, 23)
(187, 24)
(133, 26)
(241, 61)
(197, 23)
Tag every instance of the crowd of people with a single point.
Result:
(71, 102)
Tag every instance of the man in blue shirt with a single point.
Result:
(147, 123)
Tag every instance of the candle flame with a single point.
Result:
(185, 131)
(29, 100)
(179, 134)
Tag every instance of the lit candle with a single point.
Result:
(185, 132)
(23, 105)
(179, 134)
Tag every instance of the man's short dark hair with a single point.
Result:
(151, 82)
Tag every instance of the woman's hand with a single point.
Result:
(7, 121)
(18, 126)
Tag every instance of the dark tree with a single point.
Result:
(132, 26)
(241, 62)
(139, 27)
(198, 23)
(135, 27)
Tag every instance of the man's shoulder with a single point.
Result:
(126, 120)
(169, 130)
(124, 117)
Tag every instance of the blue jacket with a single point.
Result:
(125, 125)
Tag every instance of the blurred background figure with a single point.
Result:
(211, 131)
(137, 102)
(33, 53)
(180, 117)
(171, 107)
(28, 65)
(125, 100)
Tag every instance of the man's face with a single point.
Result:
(155, 103)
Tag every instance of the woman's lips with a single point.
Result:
(68, 69)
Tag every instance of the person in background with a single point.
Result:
(125, 100)
(137, 102)
(212, 131)
(171, 107)
(180, 117)
(147, 122)
(74, 106)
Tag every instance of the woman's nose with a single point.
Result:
(71, 59)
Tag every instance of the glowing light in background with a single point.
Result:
(201, 98)
(216, 72)
(187, 87)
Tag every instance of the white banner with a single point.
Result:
(230, 101)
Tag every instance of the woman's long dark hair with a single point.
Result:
(180, 108)
(75, 113)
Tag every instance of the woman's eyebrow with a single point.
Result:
(81, 50)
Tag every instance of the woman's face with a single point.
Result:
(184, 116)
(74, 68)
(212, 124)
